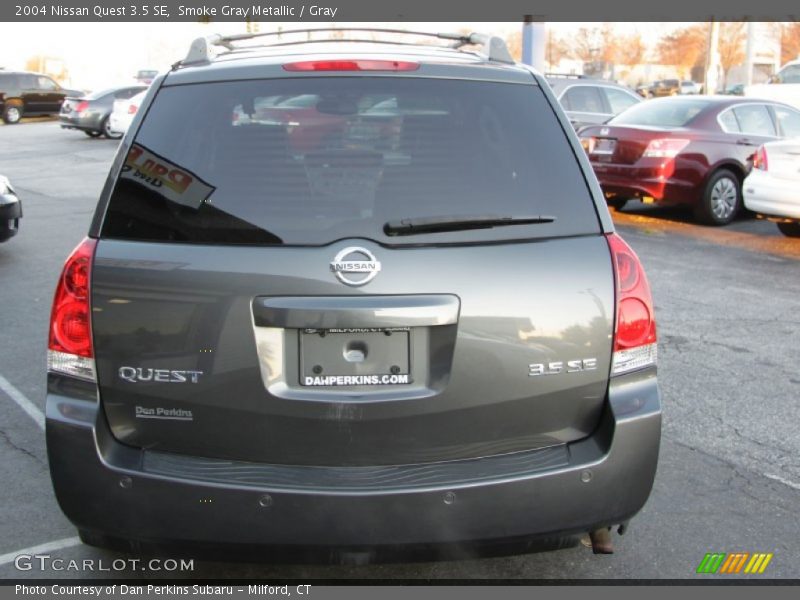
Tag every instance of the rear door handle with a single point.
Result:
(327, 312)
(745, 142)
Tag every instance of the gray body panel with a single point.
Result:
(189, 308)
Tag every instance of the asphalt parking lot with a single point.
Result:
(727, 304)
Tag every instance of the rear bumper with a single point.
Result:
(118, 123)
(88, 121)
(604, 479)
(771, 197)
(640, 181)
(10, 214)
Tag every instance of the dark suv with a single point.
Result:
(665, 87)
(32, 94)
(393, 314)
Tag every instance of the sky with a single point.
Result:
(106, 54)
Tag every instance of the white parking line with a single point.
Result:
(783, 480)
(48, 547)
(25, 404)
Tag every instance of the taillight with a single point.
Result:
(132, 108)
(351, 65)
(588, 144)
(760, 161)
(70, 350)
(665, 147)
(81, 106)
(635, 332)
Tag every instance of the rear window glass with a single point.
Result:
(307, 161)
(656, 113)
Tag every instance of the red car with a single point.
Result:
(685, 151)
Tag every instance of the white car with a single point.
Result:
(784, 86)
(772, 188)
(690, 87)
(123, 112)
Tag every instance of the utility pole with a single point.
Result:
(751, 45)
(534, 39)
(712, 60)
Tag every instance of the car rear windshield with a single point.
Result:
(661, 113)
(307, 161)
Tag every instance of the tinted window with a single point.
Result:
(583, 98)
(127, 93)
(215, 163)
(7, 81)
(45, 83)
(788, 121)
(658, 113)
(728, 121)
(619, 100)
(754, 119)
(27, 82)
(790, 74)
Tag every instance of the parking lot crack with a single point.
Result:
(7, 439)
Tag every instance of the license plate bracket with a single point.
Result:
(354, 357)
(604, 146)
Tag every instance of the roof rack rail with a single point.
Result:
(204, 49)
(567, 75)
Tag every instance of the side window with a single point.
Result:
(27, 82)
(728, 121)
(788, 121)
(583, 98)
(45, 83)
(790, 74)
(619, 100)
(755, 120)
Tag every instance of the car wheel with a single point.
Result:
(722, 199)
(790, 229)
(12, 114)
(617, 203)
(93, 134)
(112, 135)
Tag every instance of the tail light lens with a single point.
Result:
(760, 161)
(665, 147)
(351, 65)
(635, 332)
(132, 108)
(81, 106)
(69, 350)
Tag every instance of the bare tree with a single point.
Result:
(631, 50)
(684, 47)
(514, 43)
(732, 39)
(609, 51)
(585, 44)
(557, 48)
(790, 41)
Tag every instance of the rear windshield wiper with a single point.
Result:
(459, 223)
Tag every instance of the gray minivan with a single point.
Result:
(395, 313)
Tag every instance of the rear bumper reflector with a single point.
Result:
(632, 359)
(71, 364)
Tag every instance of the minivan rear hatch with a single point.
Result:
(363, 270)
